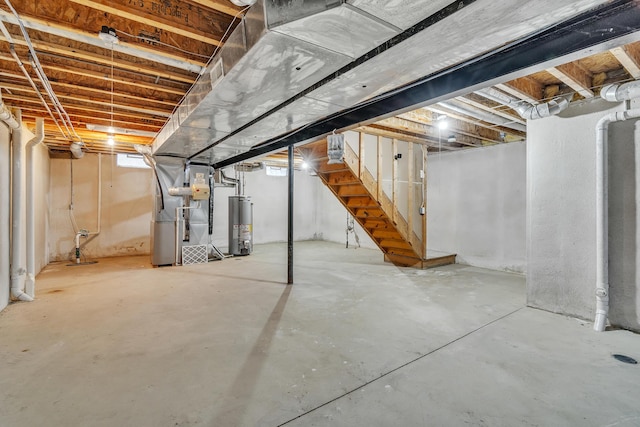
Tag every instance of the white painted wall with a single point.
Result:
(476, 206)
(41, 187)
(561, 215)
(332, 220)
(127, 197)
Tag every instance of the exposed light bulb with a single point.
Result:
(443, 124)
(110, 140)
(304, 165)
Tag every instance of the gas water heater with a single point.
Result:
(240, 225)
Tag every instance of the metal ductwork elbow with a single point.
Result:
(551, 108)
(243, 3)
(76, 150)
(621, 92)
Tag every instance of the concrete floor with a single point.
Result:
(354, 342)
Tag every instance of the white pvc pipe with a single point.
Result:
(602, 223)
(17, 272)
(31, 240)
(6, 116)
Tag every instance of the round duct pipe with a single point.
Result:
(243, 3)
(76, 150)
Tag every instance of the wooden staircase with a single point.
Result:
(361, 195)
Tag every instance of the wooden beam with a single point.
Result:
(415, 129)
(220, 6)
(629, 58)
(574, 76)
(144, 11)
(524, 88)
(116, 93)
(92, 38)
(69, 108)
(119, 80)
(100, 59)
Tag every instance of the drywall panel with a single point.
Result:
(5, 212)
(269, 195)
(561, 214)
(476, 206)
(125, 211)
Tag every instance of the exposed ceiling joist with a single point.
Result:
(220, 6)
(629, 58)
(91, 39)
(119, 80)
(497, 111)
(524, 88)
(99, 59)
(574, 76)
(142, 15)
(423, 115)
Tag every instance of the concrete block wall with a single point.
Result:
(561, 214)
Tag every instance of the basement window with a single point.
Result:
(126, 160)
(276, 171)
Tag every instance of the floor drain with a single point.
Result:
(625, 359)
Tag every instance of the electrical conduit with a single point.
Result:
(31, 241)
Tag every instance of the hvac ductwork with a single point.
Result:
(526, 110)
(76, 150)
(621, 92)
(290, 63)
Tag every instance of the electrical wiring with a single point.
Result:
(155, 41)
(64, 117)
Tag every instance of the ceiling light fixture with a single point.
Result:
(108, 35)
(111, 141)
(443, 123)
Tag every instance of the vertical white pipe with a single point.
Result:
(17, 272)
(31, 239)
(602, 223)
(602, 259)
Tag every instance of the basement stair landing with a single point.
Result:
(362, 195)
